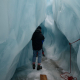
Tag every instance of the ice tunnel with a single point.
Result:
(60, 23)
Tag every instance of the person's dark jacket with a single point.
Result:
(37, 40)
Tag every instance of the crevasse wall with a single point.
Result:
(57, 47)
(18, 20)
(21, 17)
(66, 14)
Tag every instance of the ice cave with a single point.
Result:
(60, 23)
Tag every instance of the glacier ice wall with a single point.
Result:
(66, 14)
(60, 26)
(18, 20)
(57, 47)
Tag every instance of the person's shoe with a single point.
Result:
(33, 66)
(39, 67)
(44, 55)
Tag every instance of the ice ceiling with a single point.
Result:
(60, 22)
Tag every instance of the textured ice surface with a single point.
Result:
(61, 25)
(4, 32)
(78, 58)
(18, 20)
(66, 14)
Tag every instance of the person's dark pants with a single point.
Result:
(42, 51)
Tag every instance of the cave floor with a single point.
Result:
(49, 68)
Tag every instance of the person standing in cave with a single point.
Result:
(37, 42)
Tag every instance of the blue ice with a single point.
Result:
(60, 22)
